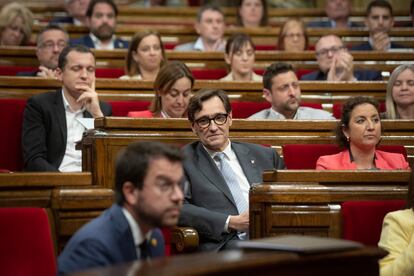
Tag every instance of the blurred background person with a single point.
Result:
(173, 87)
(16, 22)
(399, 100)
(359, 132)
(240, 56)
(336, 63)
(338, 13)
(379, 20)
(252, 13)
(49, 43)
(210, 27)
(145, 56)
(76, 10)
(293, 36)
(397, 238)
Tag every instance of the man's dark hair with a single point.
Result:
(51, 27)
(73, 48)
(347, 109)
(273, 70)
(196, 101)
(92, 4)
(380, 4)
(207, 7)
(132, 163)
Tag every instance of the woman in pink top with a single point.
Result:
(173, 87)
(359, 131)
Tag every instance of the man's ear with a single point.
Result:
(193, 127)
(230, 118)
(59, 74)
(267, 94)
(130, 193)
(197, 27)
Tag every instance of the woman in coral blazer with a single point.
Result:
(359, 131)
(173, 87)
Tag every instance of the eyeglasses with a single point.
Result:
(219, 119)
(51, 45)
(333, 50)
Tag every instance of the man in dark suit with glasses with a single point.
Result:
(220, 173)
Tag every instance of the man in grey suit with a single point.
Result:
(210, 26)
(220, 173)
(281, 89)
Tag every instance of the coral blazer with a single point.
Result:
(342, 161)
(141, 114)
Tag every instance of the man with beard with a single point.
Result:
(148, 189)
(101, 18)
(50, 42)
(281, 89)
(379, 21)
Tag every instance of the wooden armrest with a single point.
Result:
(184, 239)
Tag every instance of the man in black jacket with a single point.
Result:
(54, 121)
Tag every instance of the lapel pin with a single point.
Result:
(252, 161)
(154, 242)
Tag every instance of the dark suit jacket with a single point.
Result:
(328, 24)
(27, 74)
(87, 41)
(62, 20)
(361, 75)
(44, 131)
(208, 200)
(106, 240)
(367, 47)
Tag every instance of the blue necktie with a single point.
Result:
(231, 180)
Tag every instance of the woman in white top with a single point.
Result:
(145, 56)
(240, 56)
(399, 100)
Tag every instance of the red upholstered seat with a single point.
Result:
(208, 74)
(337, 109)
(121, 108)
(11, 119)
(304, 156)
(362, 220)
(242, 110)
(12, 70)
(112, 73)
(26, 242)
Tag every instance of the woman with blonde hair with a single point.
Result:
(173, 87)
(399, 100)
(293, 36)
(145, 56)
(16, 23)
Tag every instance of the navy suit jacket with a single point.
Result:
(27, 74)
(361, 75)
(86, 40)
(367, 47)
(208, 200)
(328, 24)
(44, 131)
(106, 240)
(62, 20)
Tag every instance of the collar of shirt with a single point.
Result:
(370, 41)
(277, 115)
(164, 114)
(136, 231)
(351, 157)
(333, 24)
(98, 44)
(198, 45)
(67, 106)
(228, 152)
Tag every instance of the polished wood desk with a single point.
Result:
(236, 262)
(100, 147)
(308, 202)
(125, 90)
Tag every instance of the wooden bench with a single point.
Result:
(124, 90)
(25, 56)
(308, 202)
(99, 148)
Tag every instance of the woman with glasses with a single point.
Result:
(399, 99)
(293, 36)
(173, 87)
(359, 132)
(252, 13)
(145, 56)
(16, 23)
(240, 56)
